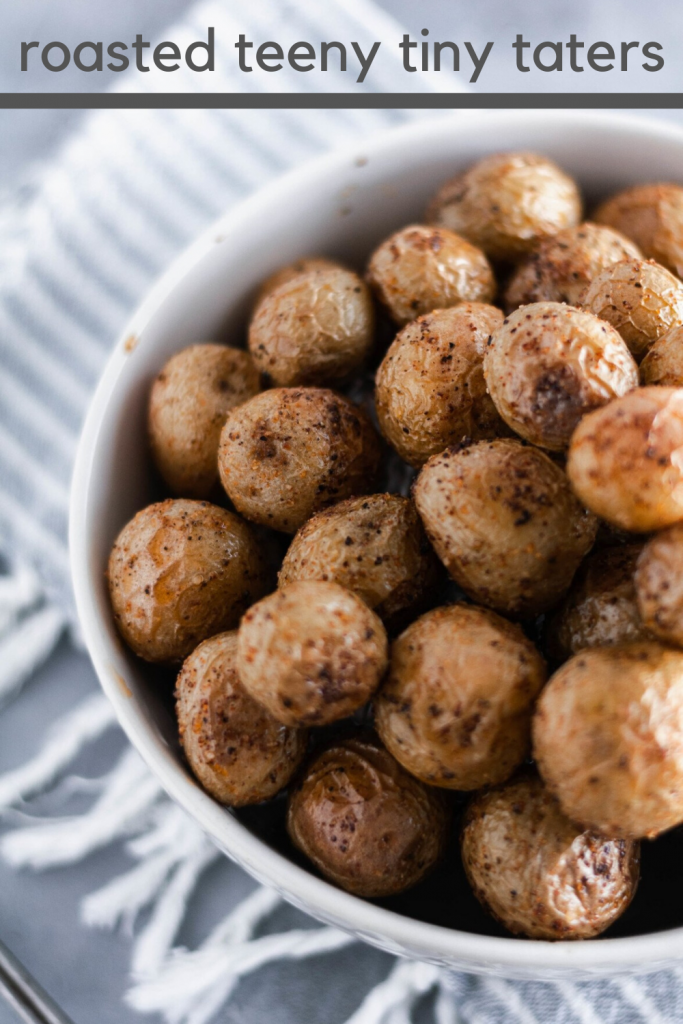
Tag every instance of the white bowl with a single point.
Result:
(340, 205)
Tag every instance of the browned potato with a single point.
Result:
(455, 709)
(375, 546)
(625, 460)
(291, 451)
(188, 405)
(505, 523)
(561, 268)
(366, 824)
(652, 215)
(315, 328)
(549, 364)
(659, 585)
(239, 753)
(601, 607)
(507, 203)
(430, 389)
(179, 572)
(664, 362)
(537, 872)
(292, 270)
(420, 268)
(311, 653)
(608, 738)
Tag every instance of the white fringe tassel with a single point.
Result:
(28, 631)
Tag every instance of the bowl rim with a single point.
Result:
(379, 926)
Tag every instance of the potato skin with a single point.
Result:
(421, 268)
(538, 873)
(315, 328)
(375, 546)
(289, 452)
(503, 520)
(561, 268)
(608, 738)
(179, 572)
(507, 203)
(291, 270)
(623, 460)
(188, 405)
(455, 709)
(366, 824)
(659, 585)
(652, 215)
(663, 363)
(311, 653)
(549, 364)
(430, 389)
(238, 752)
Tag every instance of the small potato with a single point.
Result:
(625, 460)
(652, 215)
(375, 546)
(419, 269)
(503, 520)
(561, 268)
(289, 452)
(640, 298)
(539, 874)
(366, 824)
(549, 364)
(287, 273)
(600, 608)
(311, 653)
(315, 328)
(455, 709)
(179, 572)
(507, 203)
(188, 405)
(659, 585)
(430, 389)
(663, 364)
(608, 738)
(239, 753)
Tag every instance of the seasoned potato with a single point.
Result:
(455, 709)
(663, 364)
(420, 268)
(179, 572)
(537, 872)
(601, 606)
(188, 405)
(561, 268)
(292, 270)
(311, 653)
(366, 824)
(505, 523)
(291, 451)
(430, 389)
(652, 215)
(659, 585)
(239, 753)
(507, 203)
(625, 460)
(608, 738)
(375, 546)
(315, 328)
(549, 364)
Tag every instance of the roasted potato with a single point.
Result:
(608, 738)
(421, 268)
(311, 653)
(188, 405)
(289, 452)
(507, 203)
(537, 872)
(652, 215)
(503, 520)
(455, 709)
(659, 585)
(366, 824)
(179, 572)
(625, 460)
(663, 363)
(239, 753)
(430, 389)
(549, 364)
(291, 270)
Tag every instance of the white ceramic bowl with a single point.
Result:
(340, 205)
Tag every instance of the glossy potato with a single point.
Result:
(659, 585)
(652, 215)
(291, 270)
(455, 709)
(663, 364)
